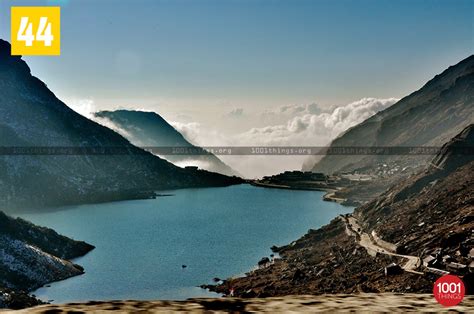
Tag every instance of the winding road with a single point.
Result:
(363, 239)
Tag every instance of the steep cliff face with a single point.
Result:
(428, 117)
(31, 116)
(432, 209)
(457, 152)
(148, 129)
(31, 256)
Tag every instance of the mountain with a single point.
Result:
(148, 129)
(31, 256)
(456, 152)
(428, 117)
(94, 163)
(433, 208)
(424, 225)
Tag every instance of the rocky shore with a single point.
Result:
(13, 299)
(349, 190)
(32, 256)
(327, 260)
(401, 241)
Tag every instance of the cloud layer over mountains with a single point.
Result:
(310, 125)
(289, 125)
(306, 125)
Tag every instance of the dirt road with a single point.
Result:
(353, 228)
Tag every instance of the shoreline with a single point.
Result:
(282, 196)
(289, 187)
(329, 196)
(385, 246)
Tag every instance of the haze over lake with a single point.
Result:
(216, 232)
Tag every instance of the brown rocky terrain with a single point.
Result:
(423, 223)
(362, 192)
(373, 303)
(437, 205)
(14, 299)
(327, 260)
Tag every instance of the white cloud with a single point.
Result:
(317, 128)
(282, 114)
(300, 125)
(84, 107)
(297, 109)
(87, 108)
(192, 131)
(306, 125)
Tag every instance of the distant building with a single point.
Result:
(191, 168)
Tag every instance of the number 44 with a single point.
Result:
(25, 33)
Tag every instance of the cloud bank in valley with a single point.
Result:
(289, 125)
(311, 125)
(87, 108)
(306, 125)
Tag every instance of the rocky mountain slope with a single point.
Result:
(31, 256)
(31, 116)
(433, 209)
(428, 117)
(148, 129)
(425, 224)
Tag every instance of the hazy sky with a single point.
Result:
(230, 66)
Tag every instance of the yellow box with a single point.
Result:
(36, 31)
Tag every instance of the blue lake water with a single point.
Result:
(216, 232)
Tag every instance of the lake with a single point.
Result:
(216, 232)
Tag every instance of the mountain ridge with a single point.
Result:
(149, 129)
(435, 205)
(429, 116)
(32, 116)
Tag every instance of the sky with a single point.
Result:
(251, 72)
